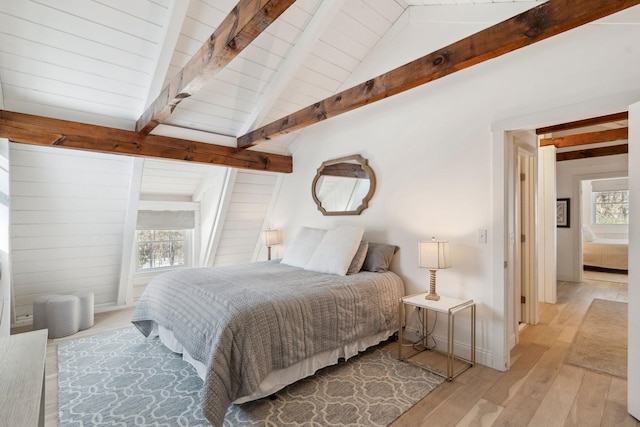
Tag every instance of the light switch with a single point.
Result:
(482, 235)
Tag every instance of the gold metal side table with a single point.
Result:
(450, 307)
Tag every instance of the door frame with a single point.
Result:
(498, 328)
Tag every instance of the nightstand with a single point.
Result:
(450, 307)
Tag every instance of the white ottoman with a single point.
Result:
(86, 308)
(40, 311)
(63, 315)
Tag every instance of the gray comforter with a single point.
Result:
(244, 321)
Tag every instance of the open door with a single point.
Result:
(521, 228)
(528, 239)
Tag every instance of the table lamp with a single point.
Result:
(271, 238)
(433, 255)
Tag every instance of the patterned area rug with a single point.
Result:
(601, 341)
(121, 378)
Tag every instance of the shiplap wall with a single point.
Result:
(5, 267)
(67, 222)
(244, 218)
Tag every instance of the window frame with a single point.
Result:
(192, 236)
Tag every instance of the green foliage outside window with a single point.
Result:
(611, 207)
(160, 248)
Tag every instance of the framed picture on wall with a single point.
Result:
(563, 213)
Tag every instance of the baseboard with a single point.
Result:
(460, 348)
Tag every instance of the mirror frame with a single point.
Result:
(364, 163)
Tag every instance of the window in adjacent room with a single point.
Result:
(611, 207)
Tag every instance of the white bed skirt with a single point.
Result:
(279, 378)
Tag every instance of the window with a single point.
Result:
(164, 239)
(161, 248)
(611, 207)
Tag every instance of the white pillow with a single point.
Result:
(587, 234)
(336, 250)
(302, 247)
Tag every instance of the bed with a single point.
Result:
(252, 329)
(609, 254)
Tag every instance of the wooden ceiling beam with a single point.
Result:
(539, 23)
(624, 115)
(241, 26)
(587, 138)
(593, 152)
(37, 130)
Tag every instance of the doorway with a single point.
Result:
(604, 224)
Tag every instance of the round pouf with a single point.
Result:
(63, 315)
(86, 308)
(40, 311)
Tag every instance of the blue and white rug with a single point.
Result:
(121, 378)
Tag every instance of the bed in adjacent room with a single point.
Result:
(607, 254)
(252, 329)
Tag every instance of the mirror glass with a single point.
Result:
(343, 186)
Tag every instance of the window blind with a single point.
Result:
(166, 220)
(609, 185)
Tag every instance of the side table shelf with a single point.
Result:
(450, 307)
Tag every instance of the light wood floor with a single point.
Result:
(538, 390)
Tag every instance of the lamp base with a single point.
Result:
(432, 295)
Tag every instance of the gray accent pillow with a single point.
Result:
(358, 258)
(379, 256)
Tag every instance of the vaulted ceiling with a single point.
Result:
(105, 61)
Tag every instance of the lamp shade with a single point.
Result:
(271, 237)
(434, 254)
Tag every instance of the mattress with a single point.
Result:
(610, 254)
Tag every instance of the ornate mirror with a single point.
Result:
(343, 186)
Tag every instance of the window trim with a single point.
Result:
(193, 237)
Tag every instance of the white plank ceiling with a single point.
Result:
(104, 61)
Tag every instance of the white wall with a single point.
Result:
(633, 377)
(569, 175)
(68, 212)
(210, 198)
(5, 263)
(244, 217)
(5, 266)
(431, 150)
